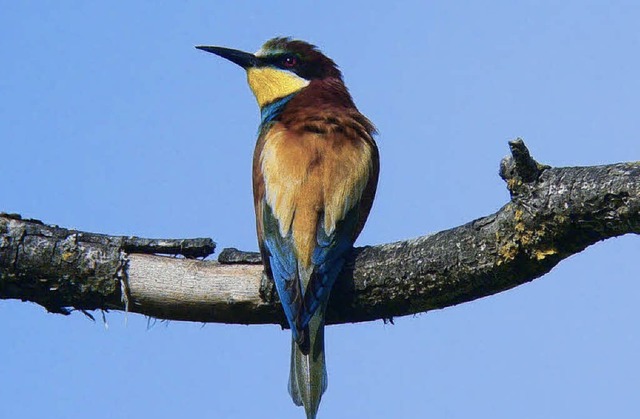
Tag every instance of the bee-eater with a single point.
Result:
(315, 172)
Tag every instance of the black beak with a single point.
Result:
(243, 59)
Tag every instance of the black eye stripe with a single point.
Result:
(285, 61)
(306, 69)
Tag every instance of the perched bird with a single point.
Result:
(315, 172)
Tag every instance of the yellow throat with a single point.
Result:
(269, 84)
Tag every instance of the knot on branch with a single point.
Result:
(520, 168)
(231, 255)
(189, 248)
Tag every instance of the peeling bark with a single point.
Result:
(553, 213)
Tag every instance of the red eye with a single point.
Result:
(290, 61)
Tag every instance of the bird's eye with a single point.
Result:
(289, 61)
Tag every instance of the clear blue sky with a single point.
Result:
(110, 121)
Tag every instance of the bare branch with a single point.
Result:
(553, 213)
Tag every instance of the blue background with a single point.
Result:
(110, 121)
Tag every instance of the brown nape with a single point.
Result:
(326, 106)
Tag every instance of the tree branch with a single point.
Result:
(553, 213)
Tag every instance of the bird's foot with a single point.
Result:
(267, 288)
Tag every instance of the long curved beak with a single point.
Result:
(243, 59)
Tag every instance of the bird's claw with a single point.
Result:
(267, 288)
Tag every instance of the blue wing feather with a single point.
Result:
(284, 269)
(328, 259)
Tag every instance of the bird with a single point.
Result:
(315, 174)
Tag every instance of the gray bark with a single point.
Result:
(553, 213)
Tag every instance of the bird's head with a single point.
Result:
(280, 68)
